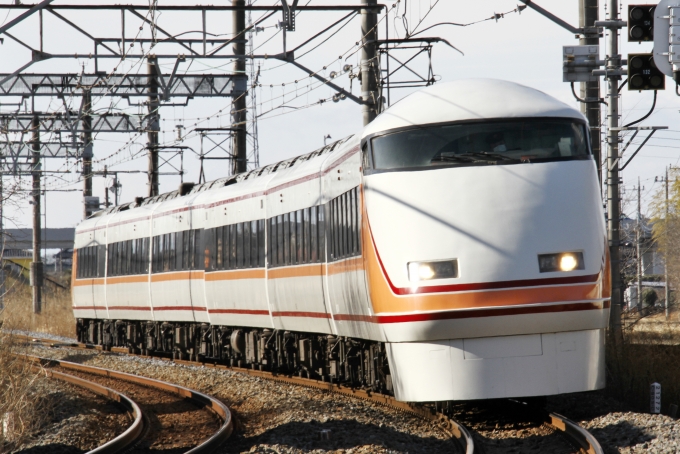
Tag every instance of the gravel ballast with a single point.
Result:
(276, 417)
(77, 422)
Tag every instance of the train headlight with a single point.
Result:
(425, 271)
(563, 261)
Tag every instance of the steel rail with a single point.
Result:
(204, 400)
(459, 432)
(580, 436)
(131, 434)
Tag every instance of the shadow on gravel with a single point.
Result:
(55, 448)
(344, 434)
(620, 435)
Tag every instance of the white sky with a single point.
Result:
(524, 48)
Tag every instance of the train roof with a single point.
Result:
(469, 99)
(191, 188)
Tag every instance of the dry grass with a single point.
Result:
(650, 353)
(56, 316)
(24, 405)
(24, 401)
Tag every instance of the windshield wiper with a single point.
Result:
(492, 156)
(453, 158)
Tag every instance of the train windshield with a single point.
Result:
(526, 140)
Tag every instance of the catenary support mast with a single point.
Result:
(154, 124)
(239, 116)
(87, 153)
(36, 264)
(613, 66)
(588, 14)
(667, 289)
(638, 250)
(369, 61)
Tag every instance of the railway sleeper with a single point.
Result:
(353, 362)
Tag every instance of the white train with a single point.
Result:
(454, 249)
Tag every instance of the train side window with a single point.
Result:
(169, 252)
(193, 245)
(134, 254)
(119, 258)
(271, 228)
(232, 246)
(173, 250)
(123, 258)
(129, 262)
(114, 267)
(260, 242)
(306, 235)
(286, 239)
(357, 219)
(154, 254)
(254, 256)
(137, 244)
(246, 244)
(185, 249)
(82, 262)
(239, 245)
(313, 235)
(365, 155)
(163, 249)
(224, 234)
(346, 226)
(198, 251)
(217, 249)
(280, 241)
(110, 257)
(91, 261)
(101, 260)
(145, 254)
(140, 256)
(299, 241)
(178, 250)
(335, 229)
(353, 221)
(321, 211)
(126, 256)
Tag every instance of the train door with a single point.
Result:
(294, 252)
(345, 273)
(194, 249)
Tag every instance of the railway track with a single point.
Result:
(574, 434)
(165, 416)
(510, 426)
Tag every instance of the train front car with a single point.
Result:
(485, 243)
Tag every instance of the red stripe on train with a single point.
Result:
(463, 314)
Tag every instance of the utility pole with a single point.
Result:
(667, 288)
(154, 124)
(87, 153)
(369, 64)
(36, 264)
(638, 251)
(588, 15)
(238, 106)
(613, 66)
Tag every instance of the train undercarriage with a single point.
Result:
(353, 362)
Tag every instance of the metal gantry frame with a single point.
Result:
(157, 87)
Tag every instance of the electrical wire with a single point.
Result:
(646, 116)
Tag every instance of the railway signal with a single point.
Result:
(641, 23)
(643, 73)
